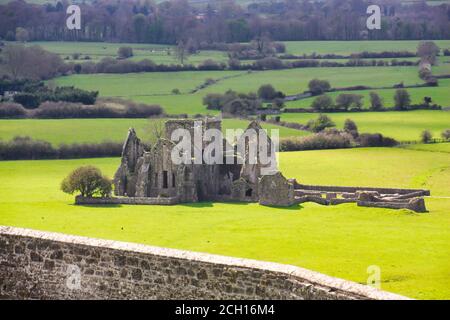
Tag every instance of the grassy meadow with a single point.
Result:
(158, 53)
(98, 130)
(411, 249)
(156, 87)
(403, 126)
(440, 95)
(349, 47)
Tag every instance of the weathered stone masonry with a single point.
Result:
(151, 178)
(35, 264)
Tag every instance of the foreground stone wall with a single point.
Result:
(42, 265)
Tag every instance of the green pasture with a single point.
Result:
(98, 130)
(290, 81)
(161, 54)
(401, 125)
(156, 87)
(432, 147)
(440, 95)
(412, 250)
(348, 47)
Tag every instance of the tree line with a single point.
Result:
(170, 22)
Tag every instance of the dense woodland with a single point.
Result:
(172, 21)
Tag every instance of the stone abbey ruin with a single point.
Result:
(151, 177)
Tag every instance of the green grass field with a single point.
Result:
(161, 54)
(98, 130)
(434, 147)
(411, 249)
(403, 126)
(158, 53)
(289, 81)
(348, 47)
(156, 87)
(440, 95)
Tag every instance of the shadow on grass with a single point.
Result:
(97, 205)
(296, 206)
(211, 204)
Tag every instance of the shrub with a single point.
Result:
(89, 150)
(269, 63)
(25, 148)
(267, 92)
(88, 181)
(425, 74)
(11, 110)
(125, 52)
(351, 128)
(21, 148)
(77, 68)
(426, 136)
(232, 102)
(176, 91)
(71, 94)
(278, 103)
(28, 100)
(376, 103)
(234, 64)
(316, 141)
(323, 102)
(279, 47)
(446, 134)
(322, 122)
(210, 64)
(347, 101)
(375, 140)
(213, 101)
(317, 86)
(402, 99)
(141, 110)
(61, 110)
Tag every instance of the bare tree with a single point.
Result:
(182, 51)
(30, 62)
(156, 129)
(22, 34)
(427, 51)
(14, 57)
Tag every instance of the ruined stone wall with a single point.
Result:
(42, 265)
(419, 192)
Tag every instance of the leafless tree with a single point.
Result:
(182, 51)
(427, 51)
(156, 129)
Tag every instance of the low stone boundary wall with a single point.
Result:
(125, 200)
(417, 205)
(44, 265)
(417, 192)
